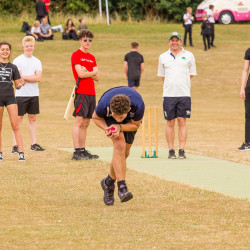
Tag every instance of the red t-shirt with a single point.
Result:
(47, 6)
(86, 85)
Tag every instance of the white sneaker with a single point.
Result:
(21, 157)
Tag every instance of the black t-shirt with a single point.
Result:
(247, 57)
(134, 60)
(8, 73)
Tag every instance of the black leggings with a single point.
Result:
(247, 114)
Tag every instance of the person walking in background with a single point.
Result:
(70, 30)
(210, 16)
(9, 73)
(30, 69)
(46, 30)
(82, 25)
(47, 4)
(133, 66)
(36, 31)
(119, 113)
(84, 67)
(176, 67)
(188, 22)
(245, 95)
(206, 31)
(40, 10)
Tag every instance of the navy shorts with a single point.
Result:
(129, 136)
(133, 83)
(84, 105)
(28, 105)
(7, 100)
(174, 107)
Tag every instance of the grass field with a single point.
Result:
(51, 202)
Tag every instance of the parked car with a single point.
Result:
(228, 10)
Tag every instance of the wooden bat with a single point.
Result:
(71, 101)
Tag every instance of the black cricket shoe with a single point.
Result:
(244, 146)
(108, 196)
(77, 155)
(15, 150)
(124, 194)
(85, 153)
(1, 156)
(171, 154)
(21, 157)
(36, 147)
(182, 154)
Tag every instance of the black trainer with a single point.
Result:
(171, 154)
(15, 150)
(77, 155)
(244, 146)
(1, 156)
(124, 194)
(21, 157)
(36, 147)
(108, 196)
(182, 154)
(87, 154)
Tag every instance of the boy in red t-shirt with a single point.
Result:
(83, 66)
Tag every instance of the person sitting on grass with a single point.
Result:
(119, 113)
(70, 30)
(36, 31)
(82, 25)
(46, 30)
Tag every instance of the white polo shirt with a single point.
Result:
(177, 71)
(210, 18)
(187, 16)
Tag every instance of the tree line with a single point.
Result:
(138, 10)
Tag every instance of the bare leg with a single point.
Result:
(20, 119)
(13, 114)
(1, 122)
(170, 133)
(182, 132)
(80, 132)
(32, 128)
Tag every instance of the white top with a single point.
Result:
(210, 18)
(187, 16)
(28, 66)
(177, 73)
(35, 29)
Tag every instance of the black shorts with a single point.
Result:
(129, 136)
(28, 105)
(174, 107)
(84, 105)
(7, 100)
(133, 83)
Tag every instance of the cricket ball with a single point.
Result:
(110, 130)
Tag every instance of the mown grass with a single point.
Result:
(51, 202)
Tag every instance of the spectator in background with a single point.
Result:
(82, 25)
(188, 21)
(133, 66)
(40, 10)
(206, 31)
(70, 30)
(46, 30)
(47, 4)
(210, 16)
(36, 31)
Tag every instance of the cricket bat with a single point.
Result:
(71, 101)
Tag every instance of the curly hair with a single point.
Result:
(120, 104)
(85, 32)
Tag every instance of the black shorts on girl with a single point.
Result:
(7, 100)
(84, 105)
(29, 105)
(129, 136)
(174, 107)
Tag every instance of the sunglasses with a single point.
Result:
(89, 39)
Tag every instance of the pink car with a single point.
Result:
(227, 11)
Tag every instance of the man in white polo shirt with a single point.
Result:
(176, 67)
(30, 69)
(210, 16)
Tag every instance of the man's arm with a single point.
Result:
(125, 68)
(96, 77)
(133, 126)
(83, 73)
(100, 122)
(244, 79)
(33, 78)
(142, 67)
